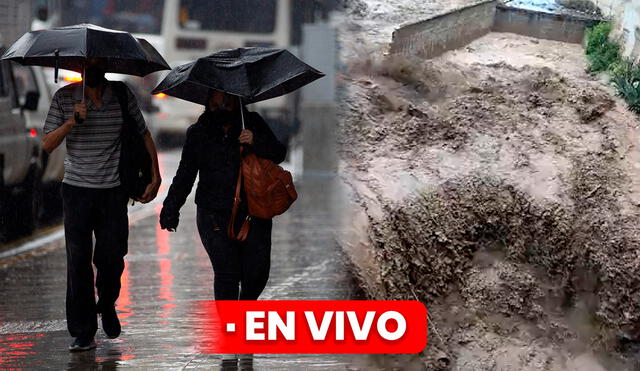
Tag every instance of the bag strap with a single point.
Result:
(231, 229)
(119, 90)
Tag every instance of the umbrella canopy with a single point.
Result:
(69, 47)
(254, 74)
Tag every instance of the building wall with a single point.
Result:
(15, 20)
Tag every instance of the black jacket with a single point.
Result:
(216, 157)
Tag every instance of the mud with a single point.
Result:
(499, 184)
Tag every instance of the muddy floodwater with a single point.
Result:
(497, 182)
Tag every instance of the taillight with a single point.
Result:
(33, 133)
(73, 78)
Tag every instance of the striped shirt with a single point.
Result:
(93, 147)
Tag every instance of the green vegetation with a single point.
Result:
(601, 52)
(604, 55)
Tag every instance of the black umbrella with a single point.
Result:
(69, 48)
(253, 74)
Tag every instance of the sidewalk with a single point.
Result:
(165, 279)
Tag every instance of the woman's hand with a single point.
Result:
(246, 137)
(169, 221)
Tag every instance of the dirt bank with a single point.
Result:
(500, 184)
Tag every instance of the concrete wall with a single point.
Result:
(451, 30)
(436, 35)
(627, 24)
(548, 26)
(625, 15)
(318, 105)
(610, 8)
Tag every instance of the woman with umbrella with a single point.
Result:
(222, 82)
(212, 150)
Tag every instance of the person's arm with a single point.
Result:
(56, 127)
(263, 142)
(134, 111)
(152, 189)
(182, 183)
(52, 140)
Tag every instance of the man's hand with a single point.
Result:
(81, 109)
(246, 137)
(151, 192)
(152, 189)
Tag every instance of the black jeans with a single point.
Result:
(241, 269)
(103, 213)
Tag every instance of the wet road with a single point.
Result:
(167, 276)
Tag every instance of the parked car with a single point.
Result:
(33, 79)
(21, 167)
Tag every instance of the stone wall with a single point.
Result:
(443, 32)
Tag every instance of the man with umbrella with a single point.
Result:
(91, 116)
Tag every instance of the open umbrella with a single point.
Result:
(70, 47)
(253, 74)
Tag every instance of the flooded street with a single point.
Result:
(166, 278)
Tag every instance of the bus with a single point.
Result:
(184, 30)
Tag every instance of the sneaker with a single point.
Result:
(81, 345)
(110, 323)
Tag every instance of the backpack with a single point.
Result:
(135, 161)
(269, 190)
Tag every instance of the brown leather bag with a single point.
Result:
(269, 190)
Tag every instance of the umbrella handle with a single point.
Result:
(55, 74)
(76, 115)
(241, 111)
(84, 71)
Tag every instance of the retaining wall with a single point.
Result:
(443, 32)
(559, 27)
(436, 35)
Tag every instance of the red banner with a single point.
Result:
(299, 326)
